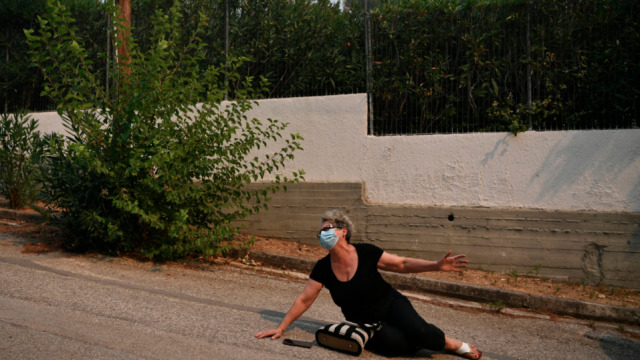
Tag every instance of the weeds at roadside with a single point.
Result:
(494, 306)
(514, 274)
(557, 289)
(248, 261)
(535, 272)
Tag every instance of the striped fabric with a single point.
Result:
(346, 336)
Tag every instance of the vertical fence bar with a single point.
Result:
(529, 90)
(108, 55)
(226, 50)
(6, 54)
(369, 66)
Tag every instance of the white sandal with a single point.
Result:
(468, 351)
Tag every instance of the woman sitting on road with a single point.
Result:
(350, 272)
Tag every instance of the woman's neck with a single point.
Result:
(342, 251)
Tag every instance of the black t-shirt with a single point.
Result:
(367, 296)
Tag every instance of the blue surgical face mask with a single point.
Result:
(328, 239)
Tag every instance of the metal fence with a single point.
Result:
(543, 65)
(507, 67)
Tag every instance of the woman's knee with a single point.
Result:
(390, 341)
(415, 328)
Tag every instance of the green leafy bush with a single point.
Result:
(443, 66)
(303, 47)
(146, 167)
(514, 120)
(21, 150)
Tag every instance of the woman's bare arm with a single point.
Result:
(401, 264)
(300, 305)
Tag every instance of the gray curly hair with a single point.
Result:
(339, 219)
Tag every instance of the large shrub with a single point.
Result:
(146, 167)
(21, 151)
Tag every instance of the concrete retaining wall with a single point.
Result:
(589, 247)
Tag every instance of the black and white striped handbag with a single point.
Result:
(346, 336)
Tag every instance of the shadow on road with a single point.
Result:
(618, 348)
(304, 324)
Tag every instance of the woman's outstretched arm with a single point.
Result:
(400, 264)
(302, 303)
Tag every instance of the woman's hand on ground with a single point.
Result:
(274, 333)
(452, 263)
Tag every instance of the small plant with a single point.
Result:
(535, 272)
(615, 291)
(495, 306)
(514, 274)
(584, 284)
(557, 289)
(512, 115)
(248, 261)
(21, 152)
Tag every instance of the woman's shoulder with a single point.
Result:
(323, 262)
(364, 248)
(320, 269)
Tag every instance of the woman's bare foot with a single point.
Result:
(470, 353)
(474, 354)
(461, 348)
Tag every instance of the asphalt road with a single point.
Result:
(64, 306)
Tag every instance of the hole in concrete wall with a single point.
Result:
(451, 217)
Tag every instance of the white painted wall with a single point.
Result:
(556, 170)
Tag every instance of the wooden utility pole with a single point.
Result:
(122, 52)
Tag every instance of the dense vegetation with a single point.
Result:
(439, 66)
(461, 66)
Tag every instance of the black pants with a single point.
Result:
(404, 332)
